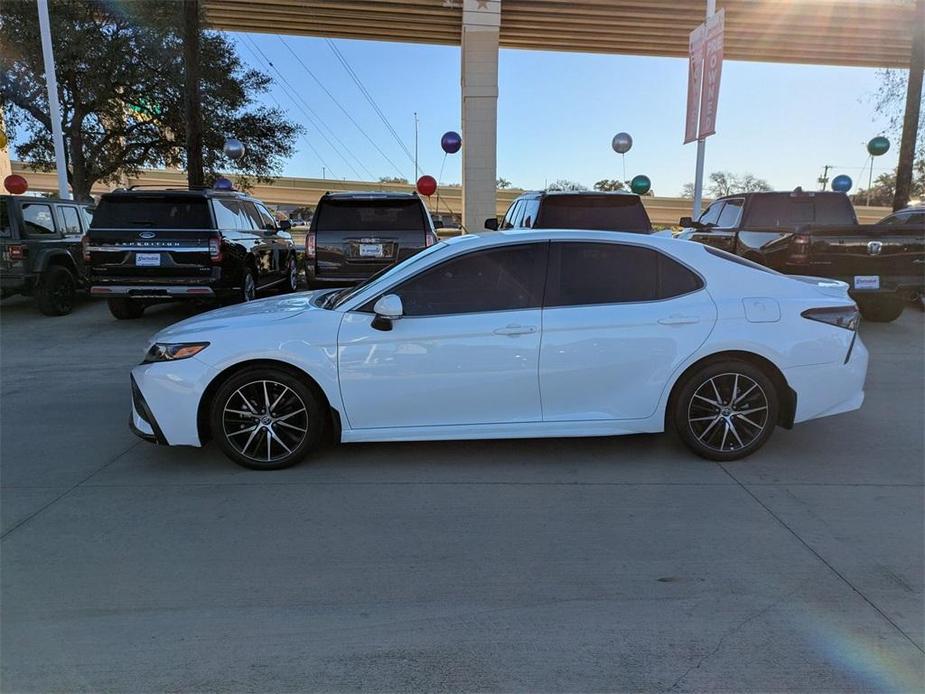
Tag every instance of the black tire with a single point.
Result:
(248, 289)
(126, 309)
(291, 283)
(56, 291)
(725, 410)
(251, 438)
(880, 309)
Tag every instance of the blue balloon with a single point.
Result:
(841, 183)
(451, 142)
(222, 183)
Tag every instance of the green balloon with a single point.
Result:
(640, 184)
(878, 145)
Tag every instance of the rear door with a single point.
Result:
(358, 236)
(618, 320)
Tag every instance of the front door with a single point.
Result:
(618, 321)
(465, 352)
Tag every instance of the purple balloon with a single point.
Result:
(451, 142)
(223, 183)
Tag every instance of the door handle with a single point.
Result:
(679, 320)
(515, 330)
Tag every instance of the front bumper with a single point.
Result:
(165, 400)
(827, 389)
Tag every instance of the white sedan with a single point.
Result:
(512, 335)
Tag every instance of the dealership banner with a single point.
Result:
(694, 80)
(712, 70)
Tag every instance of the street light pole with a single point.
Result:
(54, 108)
(701, 146)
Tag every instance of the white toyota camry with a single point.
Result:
(512, 335)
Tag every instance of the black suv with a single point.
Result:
(355, 235)
(616, 211)
(148, 246)
(40, 250)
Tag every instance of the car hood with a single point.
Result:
(250, 315)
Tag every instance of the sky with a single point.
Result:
(557, 114)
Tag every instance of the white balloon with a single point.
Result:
(622, 142)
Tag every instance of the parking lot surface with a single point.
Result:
(547, 565)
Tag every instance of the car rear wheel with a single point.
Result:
(266, 418)
(248, 286)
(725, 410)
(56, 291)
(880, 309)
(292, 276)
(126, 309)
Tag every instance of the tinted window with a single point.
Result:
(496, 279)
(674, 279)
(4, 218)
(266, 219)
(530, 209)
(70, 218)
(250, 211)
(511, 215)
(600, 273)
(786, 209)
(226, 214)
(598, 212)
(711, 216)
(87, 213)
(369, 215)
(37, 218)
(167, 212)
(732, 211)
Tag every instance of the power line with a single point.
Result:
(310, 113)
(334, 99)
(369, 97)
(324, 164)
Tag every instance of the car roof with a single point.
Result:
(577, 193)
(370, 195)
(178, 192)
(41, 198)
(782, 193)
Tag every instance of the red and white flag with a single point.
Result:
(712, 71)
(694, 80)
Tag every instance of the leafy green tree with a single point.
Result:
(503, 183)
(609, 184)
(119, 69)
(884, 187)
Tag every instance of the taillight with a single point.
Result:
(310, 244)
(799, 249)
(85, 246)
(215, 249)
(840, 316)
(430, 239)
(16, 252)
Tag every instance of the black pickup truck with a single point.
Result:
(804, 233)
(40, 250)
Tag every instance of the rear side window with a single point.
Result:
(227, 213)
(369, 215)
(596, 212)
(582, 274)
(70, 218)
(164, 212)
(5, 229)
(496, 279)
(37, 218)
(530, 209)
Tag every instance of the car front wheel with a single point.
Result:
(725, 410)
(266, 418)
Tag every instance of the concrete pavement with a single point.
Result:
(557, 565)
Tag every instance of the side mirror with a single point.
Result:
(388, 308)
(438, 224)
(686, 222)
(491, 223)
(285, 225)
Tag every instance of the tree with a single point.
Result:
(726, 183)
(121, 90)
(687, 191)
(565, 184)
(393, 179)
(503, 183)
(608, 184)
(884, 187)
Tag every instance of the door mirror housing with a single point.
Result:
(686, 222)
(491, 223)
(387, 309)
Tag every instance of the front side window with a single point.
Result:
(711, 216)
(266, 219)
(496, 279)
(71, 219)
(513, 211)
(730, 214)
(37, 218)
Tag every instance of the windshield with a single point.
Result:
(344, 295)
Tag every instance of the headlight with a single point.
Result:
(162, 351)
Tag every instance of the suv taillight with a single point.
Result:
(310, 244)
(16, 252)
(799, 249)
(215, 248)
(840, 316)
(85, 247)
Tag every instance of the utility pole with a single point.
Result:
(416, 168)
(54, 108)
(192, 98)
(913, 107)
(824, 179)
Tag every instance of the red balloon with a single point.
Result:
(427, 185)
(16, 184)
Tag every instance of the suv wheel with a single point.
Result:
(292, 276)
(56, 291)
(248, 286)
(266, 418)
(880, 309)
(126, 309)
(725, 410)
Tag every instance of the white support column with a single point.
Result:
(479, 66)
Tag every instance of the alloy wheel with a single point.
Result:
(250, 287)
(293, 274)
(728, 412)
(265, 421)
